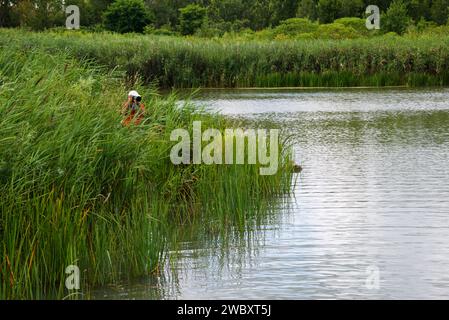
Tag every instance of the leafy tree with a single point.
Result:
(8, 18)
(92, 11)
(382, 4)
(26, 13)
(418, 9)
(439, 11)
(126, 16)
(191, 19)
(227, 10)
(259, 16)
(166, 12)
(37, 14)
(396, 18)
(329, 10)
(282, 10)
(222, 15)
(352, 8)
(307, 9)
(49, 13)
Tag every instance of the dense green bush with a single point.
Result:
(328, 10)
(358, 24)
(336, 31)
(191, 18)
(439, 11)
(307, 9)
(396, 18)
(302, 28)
(126, 16)
(295, 26)
(162, 31)
(209, 31)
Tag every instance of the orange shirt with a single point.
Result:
(135, 113)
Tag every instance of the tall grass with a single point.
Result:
(78, 188)
(195, 62)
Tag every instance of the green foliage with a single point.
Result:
(8, 17)
(126, 16)
(396, 18)
(229, 62)
(301, 28)
(166, 12)
(210, 30)
(217, 29)
(34, 14)
(358, 24)
(191, 19)
(419, 9)
(329, 10)
(336, 31)
(226, 10)
(295, 26)
(353, 8)
(283, 10)
(259, 14)
(222, 16)
(431, 28)
(307, 9)
(78, 188)
(162, 31)
(425, 26)
(439, 11)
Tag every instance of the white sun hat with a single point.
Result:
(133, 93)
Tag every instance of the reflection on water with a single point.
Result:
(373, 195)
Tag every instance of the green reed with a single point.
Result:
(77, 188)
(195, 62)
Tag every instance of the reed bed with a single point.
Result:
(77, 188)
(194, 62)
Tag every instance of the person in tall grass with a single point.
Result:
(133, 109)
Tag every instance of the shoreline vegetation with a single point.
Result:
(172, 62)
(77, 188)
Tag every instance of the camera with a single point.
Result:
(138, 99)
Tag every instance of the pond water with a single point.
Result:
(369, 214)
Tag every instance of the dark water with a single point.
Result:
(369, 217)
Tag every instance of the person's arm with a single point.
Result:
(125, 107)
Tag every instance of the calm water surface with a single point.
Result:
(371, 203)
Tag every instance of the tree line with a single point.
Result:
(186, 16)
